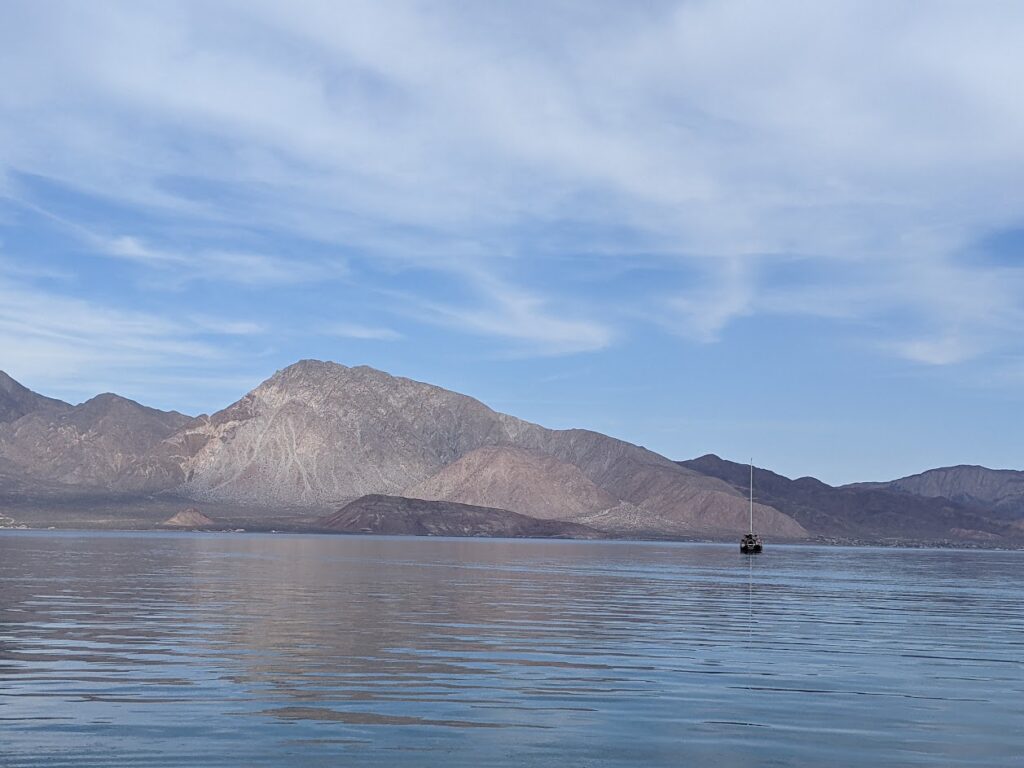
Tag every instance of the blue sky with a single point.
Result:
(786, 230)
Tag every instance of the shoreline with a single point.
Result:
(311, 531)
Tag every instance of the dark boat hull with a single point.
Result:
(750, 544)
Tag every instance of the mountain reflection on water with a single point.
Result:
(216, 649)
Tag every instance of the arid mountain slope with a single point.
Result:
(107, 442)
(17, 401)
(694, 504)
(317, 434)
(859, 512)
(998, 492)
(516, 479)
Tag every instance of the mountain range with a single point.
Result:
(328, 447)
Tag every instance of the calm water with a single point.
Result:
(209, 649)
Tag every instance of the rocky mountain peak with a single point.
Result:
(318, 380)
(110, 404)
(109, 400)
(306, 371)
(17, 400)
(317, 433)
(7, 384)
(1002, 490)
(107, 442)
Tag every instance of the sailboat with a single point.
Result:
(751, 542)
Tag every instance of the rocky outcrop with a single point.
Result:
(513, 478)
(17, 401)
(108, 442)
(999, 492)
(396, 515)
(189, 518)
(317, 434)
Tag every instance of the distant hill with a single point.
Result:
(997, 492)
(868, 512)
(108, 442)
(381, 514)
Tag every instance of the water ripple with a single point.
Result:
(177, 649)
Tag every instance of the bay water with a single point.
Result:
(173, 649)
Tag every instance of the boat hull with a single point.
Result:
(750, 544)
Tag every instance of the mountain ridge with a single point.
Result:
(998, 491)
(17, 400)
(860, 511)
(316, 435)
(107, 441)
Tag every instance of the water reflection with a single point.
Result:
(167, 649)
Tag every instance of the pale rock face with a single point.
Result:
(516, 479)
(320, 433)
(627, 519)
(999, 489)
(189, 518)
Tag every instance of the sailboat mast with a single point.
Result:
(751, 495)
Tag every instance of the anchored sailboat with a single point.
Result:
(751, 542)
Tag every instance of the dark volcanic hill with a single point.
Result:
(860, 512)
(995, 492)
(398, 515)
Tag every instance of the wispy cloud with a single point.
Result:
(705, 310)
(871, 140)
(52, 335)
(225, 326)
(219, 265)
(366, 332)
(12, 269)
(524, 318)
(74, 348)
(942, 350)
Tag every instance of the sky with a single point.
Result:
(789, 231)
